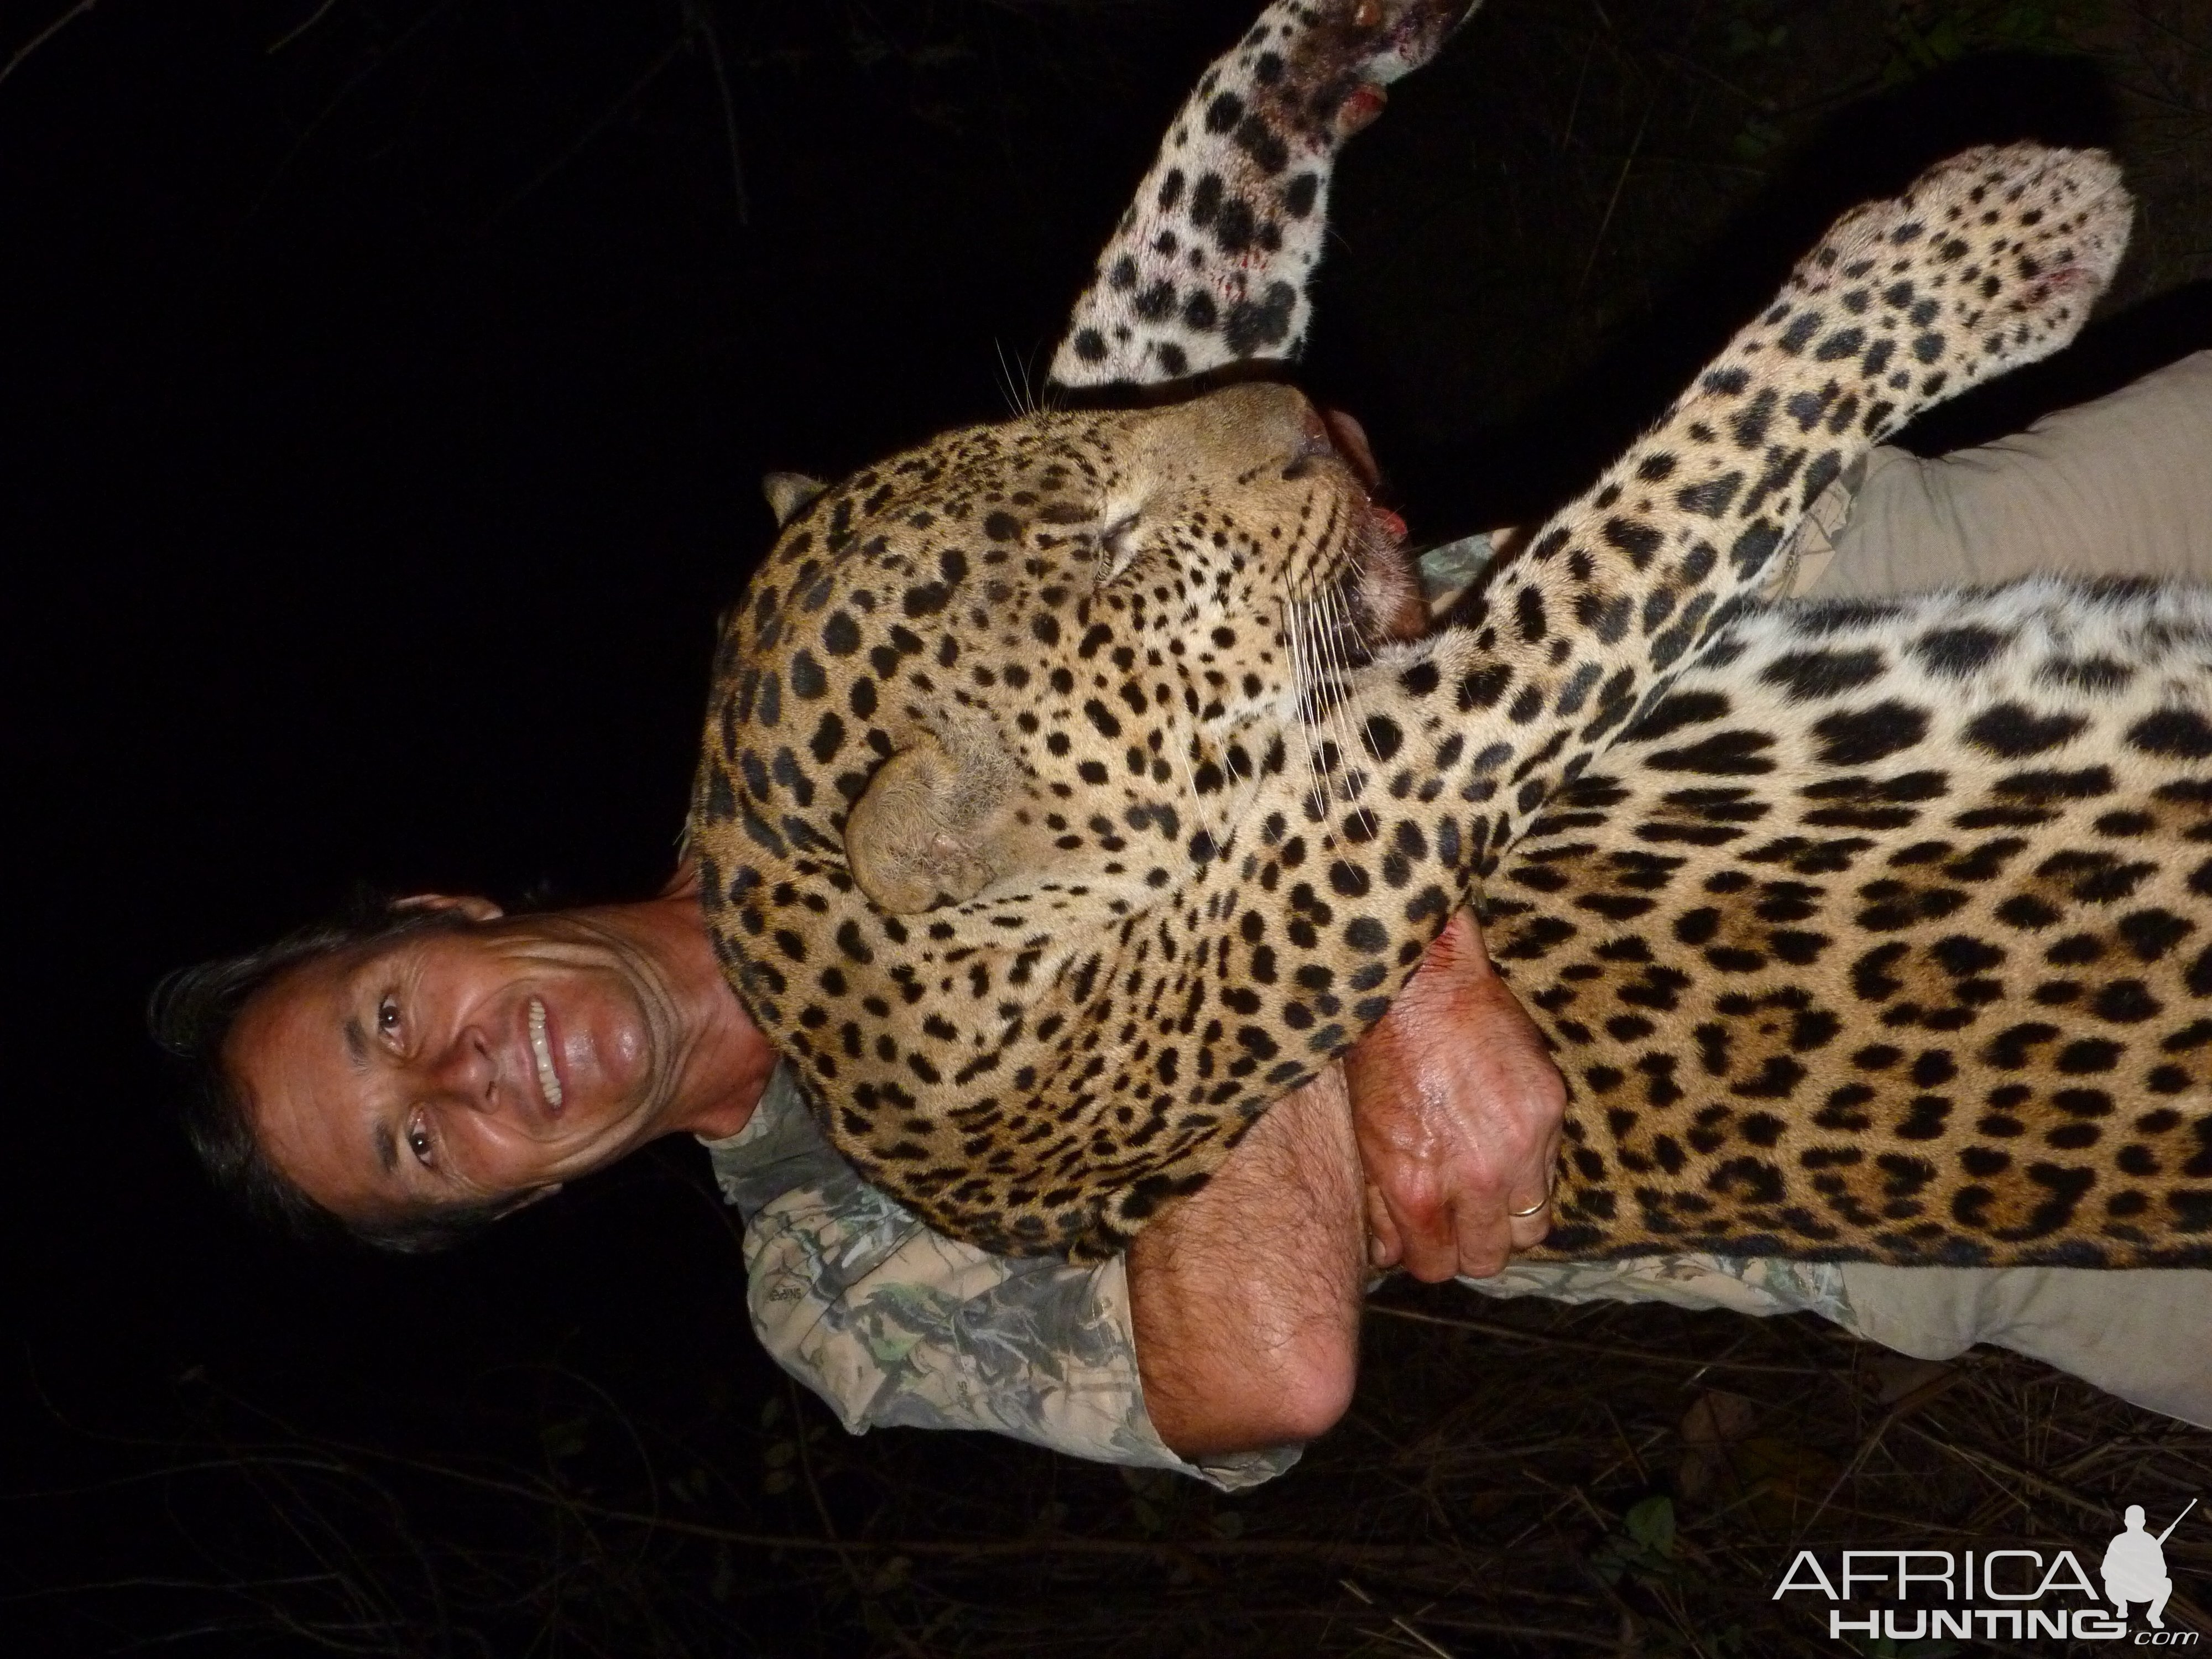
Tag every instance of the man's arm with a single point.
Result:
(1245, 1296)
(1458, 1108)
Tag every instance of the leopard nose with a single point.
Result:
(1268, 424)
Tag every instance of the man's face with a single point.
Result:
(455, 1065)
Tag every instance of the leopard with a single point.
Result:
(1072, 788)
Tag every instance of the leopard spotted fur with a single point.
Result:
(1059, 809)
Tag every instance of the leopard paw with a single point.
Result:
(1321, 70)
(1211, 264)
(1989, 260)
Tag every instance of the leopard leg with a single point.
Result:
(1990, 260)
(1210, 264)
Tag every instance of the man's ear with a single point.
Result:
(466, 905)
(788, 493)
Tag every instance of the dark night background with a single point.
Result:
(384, 390)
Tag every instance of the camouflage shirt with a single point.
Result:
(895, 1325)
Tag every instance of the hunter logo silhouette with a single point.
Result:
(2135, 1566)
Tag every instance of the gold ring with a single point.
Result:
(1522, 1215)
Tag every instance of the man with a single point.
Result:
(441, 1065)
(423, 1070)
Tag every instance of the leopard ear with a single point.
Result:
(930, 828)
(788, 493)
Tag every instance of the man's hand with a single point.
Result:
(1245, 1296)
(1457, 1107)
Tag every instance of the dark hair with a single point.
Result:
(190, 1015)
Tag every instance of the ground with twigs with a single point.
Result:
(1515, 1478)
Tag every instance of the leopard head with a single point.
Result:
(989, 707)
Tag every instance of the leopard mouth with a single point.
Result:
(1373, 595)
(1366, 594)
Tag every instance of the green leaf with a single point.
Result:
(1651, 1523)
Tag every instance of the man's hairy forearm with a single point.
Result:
(1246, 1296)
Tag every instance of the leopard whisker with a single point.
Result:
(1332, 644)
(1301, 681)
(1351, 712)
(1366, 645)
(1021, 397)
(1310, 705)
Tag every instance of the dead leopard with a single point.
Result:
(1062, 805)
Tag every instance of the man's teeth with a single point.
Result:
(548, 1079)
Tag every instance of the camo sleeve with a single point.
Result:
(897, 1326)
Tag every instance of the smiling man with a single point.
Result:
(422, 1069)
(466, 1063)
